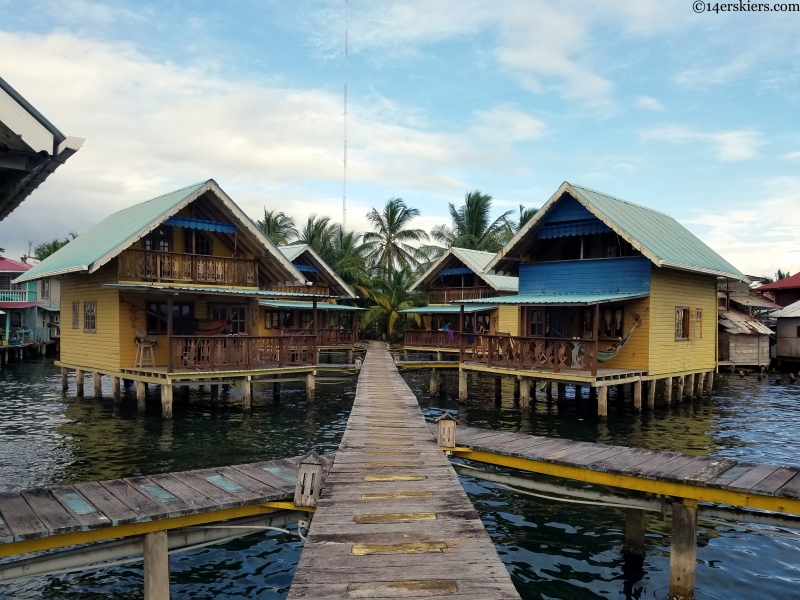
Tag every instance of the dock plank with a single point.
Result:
(20, 517)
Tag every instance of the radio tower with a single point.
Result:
(344, 175)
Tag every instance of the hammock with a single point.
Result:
(199, 326)
(606, 355)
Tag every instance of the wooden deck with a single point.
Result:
(703, 478)
(58, 516)
(393, 520)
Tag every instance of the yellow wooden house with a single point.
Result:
(168, 291)
(610, 292)
(460, 274)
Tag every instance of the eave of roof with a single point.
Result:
(782, 284)
(788, 312)
(561, 299)
(292, 252)
(656, 235)
(441, 308)
(220, 291)
(288, 304)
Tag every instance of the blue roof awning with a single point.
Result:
(578, 299)
(585, 227)
(456, 271)
(201, 224)
(307, 268)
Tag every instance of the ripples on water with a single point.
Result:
(553, 550)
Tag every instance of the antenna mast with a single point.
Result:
(344, 174)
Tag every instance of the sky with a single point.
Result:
(693, 114)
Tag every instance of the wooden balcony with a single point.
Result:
(422, 338)
(240, 352)
(317, 290)
(191, 268)
(327, 337)
(447, 295)
(17, 296)
(549, 354)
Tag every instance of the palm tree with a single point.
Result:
(278, 227)
(391, 295)
(471, 226)
(349, 260)
(782, 275)
(319, 233)
(45, 249)
(511, 228)
(392, 237)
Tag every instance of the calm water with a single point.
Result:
(553, 550)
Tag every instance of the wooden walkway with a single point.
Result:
(393, 520)
(702, 478)
(58, 516)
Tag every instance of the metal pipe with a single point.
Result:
(87, 556)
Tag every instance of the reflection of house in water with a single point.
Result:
(744, 339)
(460, 274)
(787, 346)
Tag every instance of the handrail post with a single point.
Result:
(169, 334)
(595, 335)
(280, 352)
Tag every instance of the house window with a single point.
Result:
(537, 321)
(306, 320)
(45, 289)
(611, 323)
(159, 240)
(5, 282)
(196, 242)
(76, 315)
(90, 317)
(234, 314)
(722, 302)
(273, 320)
(696, 324)
(157, 317)
(688, 323)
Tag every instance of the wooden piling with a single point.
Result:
(525, 392)
(709, 382)
(115, 391)
(548, 391)
(562, 392)
(516, 386)
(668, 390)
(276, 390)
(214, 395)
(78, 382)
(434, 384)
(683, 550)
(166, 400)
(635, 531)
(98, 384)
(651, 393)
(679, 391)
(602, 401)
(141, 394)
(247, 393)
(689, 387)
(311, 386)
(498, 388)
(578, 393)
(350, 356)
(637, 395)
(699, 383)
(64, 379)
(156, 566)
(462, 385)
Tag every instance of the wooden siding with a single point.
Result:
(508, 319)
(604, 275)
(668, 290)
(744, 349)
(635, 354)
(92, 350)
(788, 341)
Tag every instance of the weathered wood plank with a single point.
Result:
(50, 512)
(20, 517)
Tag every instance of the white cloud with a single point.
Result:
(649, 103)
(761, 236)
(793, 156)
(151, 127)
(729, 146)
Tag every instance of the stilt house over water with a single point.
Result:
(460, 274)
(171, 287)
(608, 290)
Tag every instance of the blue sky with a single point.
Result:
(692, 114)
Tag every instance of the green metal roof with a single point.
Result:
(108, 234)
(658, 236)
(227, 291)
(293, 251)
(560, 299)
(309, 306)
(477, 261)
(441, 308)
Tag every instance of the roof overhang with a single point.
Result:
(325, 267)
(586, 299)
(17, 305)
(436, 267)
(444, 309)
(210, 290)
(289, 305)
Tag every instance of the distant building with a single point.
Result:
(744, 338)
(31, 148)
(784, 291)
(31, 309)
(787, 346)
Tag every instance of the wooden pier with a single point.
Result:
(393, 520)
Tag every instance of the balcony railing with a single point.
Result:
(317, 290)
(423, 338)
(336, 337)
(447, 295)
(17, 296)
(192, 268)
(240, 352)
(555, 354)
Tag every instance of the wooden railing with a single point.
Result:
(556, 354)
(240, 352)
(444, 296)
(17, 296)
(431, 339)
(336, 337)
(193, 268)
(317, 290)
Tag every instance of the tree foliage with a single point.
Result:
(278, 227)
(471, 225)
(391, 295)
(393, 238)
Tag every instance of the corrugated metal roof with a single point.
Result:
(791, 311)
(208, 290)
(753, 301)
(658, 236)
(309, 306)
(439, 308)
(476, 260)
(13, 266)
(109, 234)
(739, 323)
(561, 299)
(295, 250)
(783, 284)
